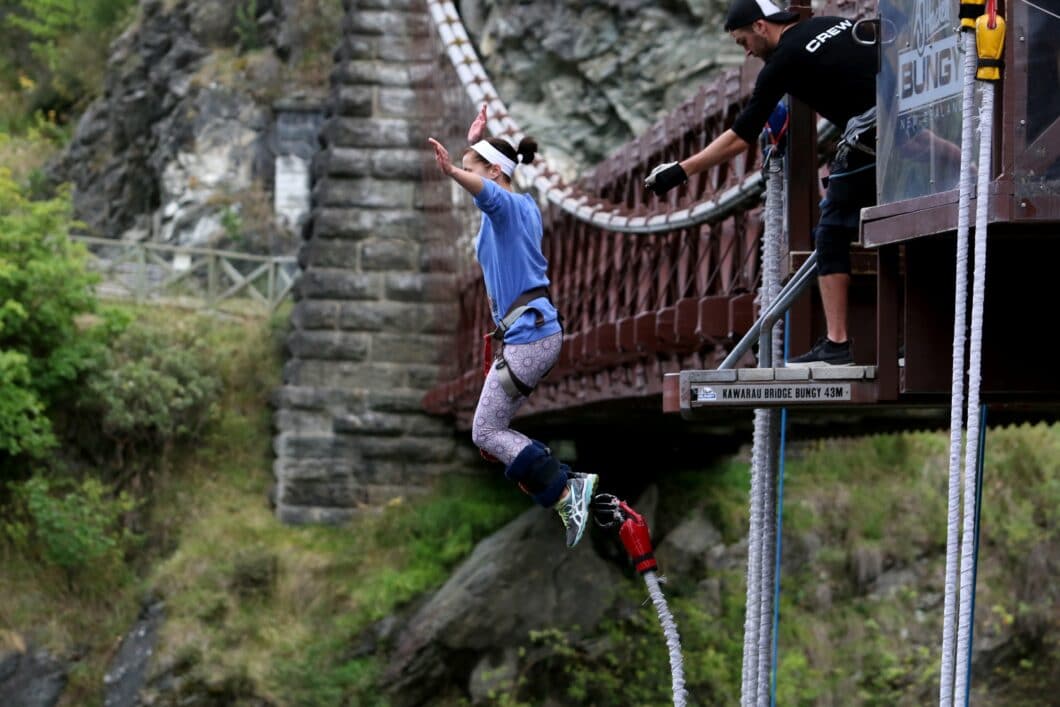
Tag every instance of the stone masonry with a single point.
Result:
(374, 306)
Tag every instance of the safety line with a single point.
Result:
(961, 682)
(779, 548)
(960, 314)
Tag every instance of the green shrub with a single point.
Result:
(67, 41)
(72, 526)
(23, 427)
(45, 289)
(154, 387)
(39, 138)
(247, 26)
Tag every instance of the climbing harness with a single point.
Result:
(493, 349)
(616, 515)
(493, 342)
(988, 41)
(858, 136)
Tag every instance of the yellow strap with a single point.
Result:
(971, 9)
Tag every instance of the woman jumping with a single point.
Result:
(528, 337)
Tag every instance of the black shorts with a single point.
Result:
(848, 192)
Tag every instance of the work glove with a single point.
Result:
(665, 177)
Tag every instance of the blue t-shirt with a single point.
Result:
(509, 252)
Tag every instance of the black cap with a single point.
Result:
(744, 12)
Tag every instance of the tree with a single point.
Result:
(44, 288)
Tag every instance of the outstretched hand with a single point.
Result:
(665, 177)
(441, 156)
(477, 131)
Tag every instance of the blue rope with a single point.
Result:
(779, 553)
(780, 522)
(975, 551)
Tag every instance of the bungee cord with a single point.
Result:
(758, 658)
(989, 44)
(618, 516)
(960, 311)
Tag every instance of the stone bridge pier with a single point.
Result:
(374, 306)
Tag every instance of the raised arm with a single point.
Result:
(471, 182)
(477, 131)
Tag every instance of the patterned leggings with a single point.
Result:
(490, 430)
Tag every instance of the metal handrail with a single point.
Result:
(795, 287)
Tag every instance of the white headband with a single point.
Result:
(494, 156)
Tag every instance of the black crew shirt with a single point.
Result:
(818, 62)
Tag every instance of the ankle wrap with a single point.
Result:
(538, 473)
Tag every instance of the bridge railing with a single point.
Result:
(198, 277)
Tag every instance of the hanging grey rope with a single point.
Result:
(771, 255)
(990, 33)
(975, 359)
(749, 687)
(616, 515)
(761, 539)
(673, 639)
(750, 674)
(960, 313)
(988, 45)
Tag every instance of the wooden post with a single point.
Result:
(803, 198)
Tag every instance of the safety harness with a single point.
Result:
(859, 136)
(494, 341)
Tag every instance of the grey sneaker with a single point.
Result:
(574, 509)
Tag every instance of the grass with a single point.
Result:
(842, 642)
(329, 583)
(311, 590)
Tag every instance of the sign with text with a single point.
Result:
(918, 99)
(929, 75)
(769, 394)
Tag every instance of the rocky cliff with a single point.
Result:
(184, 142)
(586, 77)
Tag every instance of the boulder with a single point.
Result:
(521, 579)
(30, 678)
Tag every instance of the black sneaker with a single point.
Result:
(824, 353)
